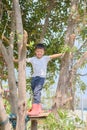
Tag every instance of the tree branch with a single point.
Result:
(51, 6)
(80, 61)
(4, 52)
(82, 74)
(83, 45)
(1, 9)
(5, 39)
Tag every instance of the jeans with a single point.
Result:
(36, 86)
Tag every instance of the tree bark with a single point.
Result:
(34, 124)
(4, 120)
(21, 68)
(8, 56)
(65, 89)
(1, 9)
(46, 23)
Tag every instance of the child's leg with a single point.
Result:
(37, 85)
(37, 89)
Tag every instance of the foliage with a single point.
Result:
(7, 106)
(66, 120)
(33, 15)
(29, 104)
(81, 85)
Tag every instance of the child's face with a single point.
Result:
(39, 53)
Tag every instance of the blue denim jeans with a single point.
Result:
(36, 86)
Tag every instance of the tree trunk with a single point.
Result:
(21, 68)
(12, 88)
(4, 120)
(65, 90)
(8, 56)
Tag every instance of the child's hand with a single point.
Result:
(62, 55)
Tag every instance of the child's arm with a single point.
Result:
(56, 55)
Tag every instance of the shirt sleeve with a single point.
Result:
(47, 58)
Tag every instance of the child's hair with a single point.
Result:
(40, 46)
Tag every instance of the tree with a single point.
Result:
(19, 107)
(3, 115)
(45, 21)
(70, 64)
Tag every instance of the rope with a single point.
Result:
(4, 122)
(13, 119)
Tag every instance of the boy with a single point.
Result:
(39, 63)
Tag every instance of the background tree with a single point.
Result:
(71, 62)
